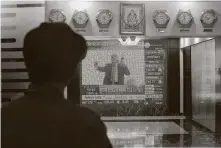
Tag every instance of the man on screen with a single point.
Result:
(114, 71)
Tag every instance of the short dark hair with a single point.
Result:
(52, 52)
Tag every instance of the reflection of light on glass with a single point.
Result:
(209, 38)
(65, 93)
(124, 41)
(79, 5)
(128, 41)
(196, 40)
(149, 140)
(125, 134)
(138, 146)
(110, 135)
(134, 134)
(183, 4)
(182, 42)
(186, 41)
(135, 42)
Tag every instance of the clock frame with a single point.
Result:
(163, 25)
(85, 18)
(106, 12)
(208, 25)
(185, 13)
(59, 12)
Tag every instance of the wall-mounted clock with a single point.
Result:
(185, 18)
(208, 18)
(161, 18)
(56, 16)
(80, 19)
(104, 18)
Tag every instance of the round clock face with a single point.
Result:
(56, 16)
(104, 17)
(208, 17)
(184, 18)
(81, 17)
(161, 18)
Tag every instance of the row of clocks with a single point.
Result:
(160, 18)
(80, 18)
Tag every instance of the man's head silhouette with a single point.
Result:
(52, 52)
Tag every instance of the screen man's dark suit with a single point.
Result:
(122, 70)
(43, 119)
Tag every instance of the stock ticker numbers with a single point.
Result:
(100, 102)
(90, 90)
(154, 56)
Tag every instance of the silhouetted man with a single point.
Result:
(43, 118)
(114, 71)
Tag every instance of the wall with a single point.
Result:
(218, 69)
(187, 42)
(187, 82)
(172, 8)
(203, 83)
(218, 84)
(173, 77)
(17, 18)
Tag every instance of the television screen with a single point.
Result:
(117, 80)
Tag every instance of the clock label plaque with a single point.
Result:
(80, 20)
(185, 20)
(208, 20)
(103, 30)
(81, 30)
(104, 19)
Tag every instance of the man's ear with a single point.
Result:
(83, 55)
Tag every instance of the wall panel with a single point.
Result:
(173, 76)
(187, 81)
(17, 18)
(17, 75)
(218, 84)
(218, 69)
(203, 83)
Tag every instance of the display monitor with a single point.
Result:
(117, 80)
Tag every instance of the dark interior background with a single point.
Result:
(173, 76)
(187, 82)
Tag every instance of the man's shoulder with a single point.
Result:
(88, 117)
(86, 112)
(14, 102)
(122, 65)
